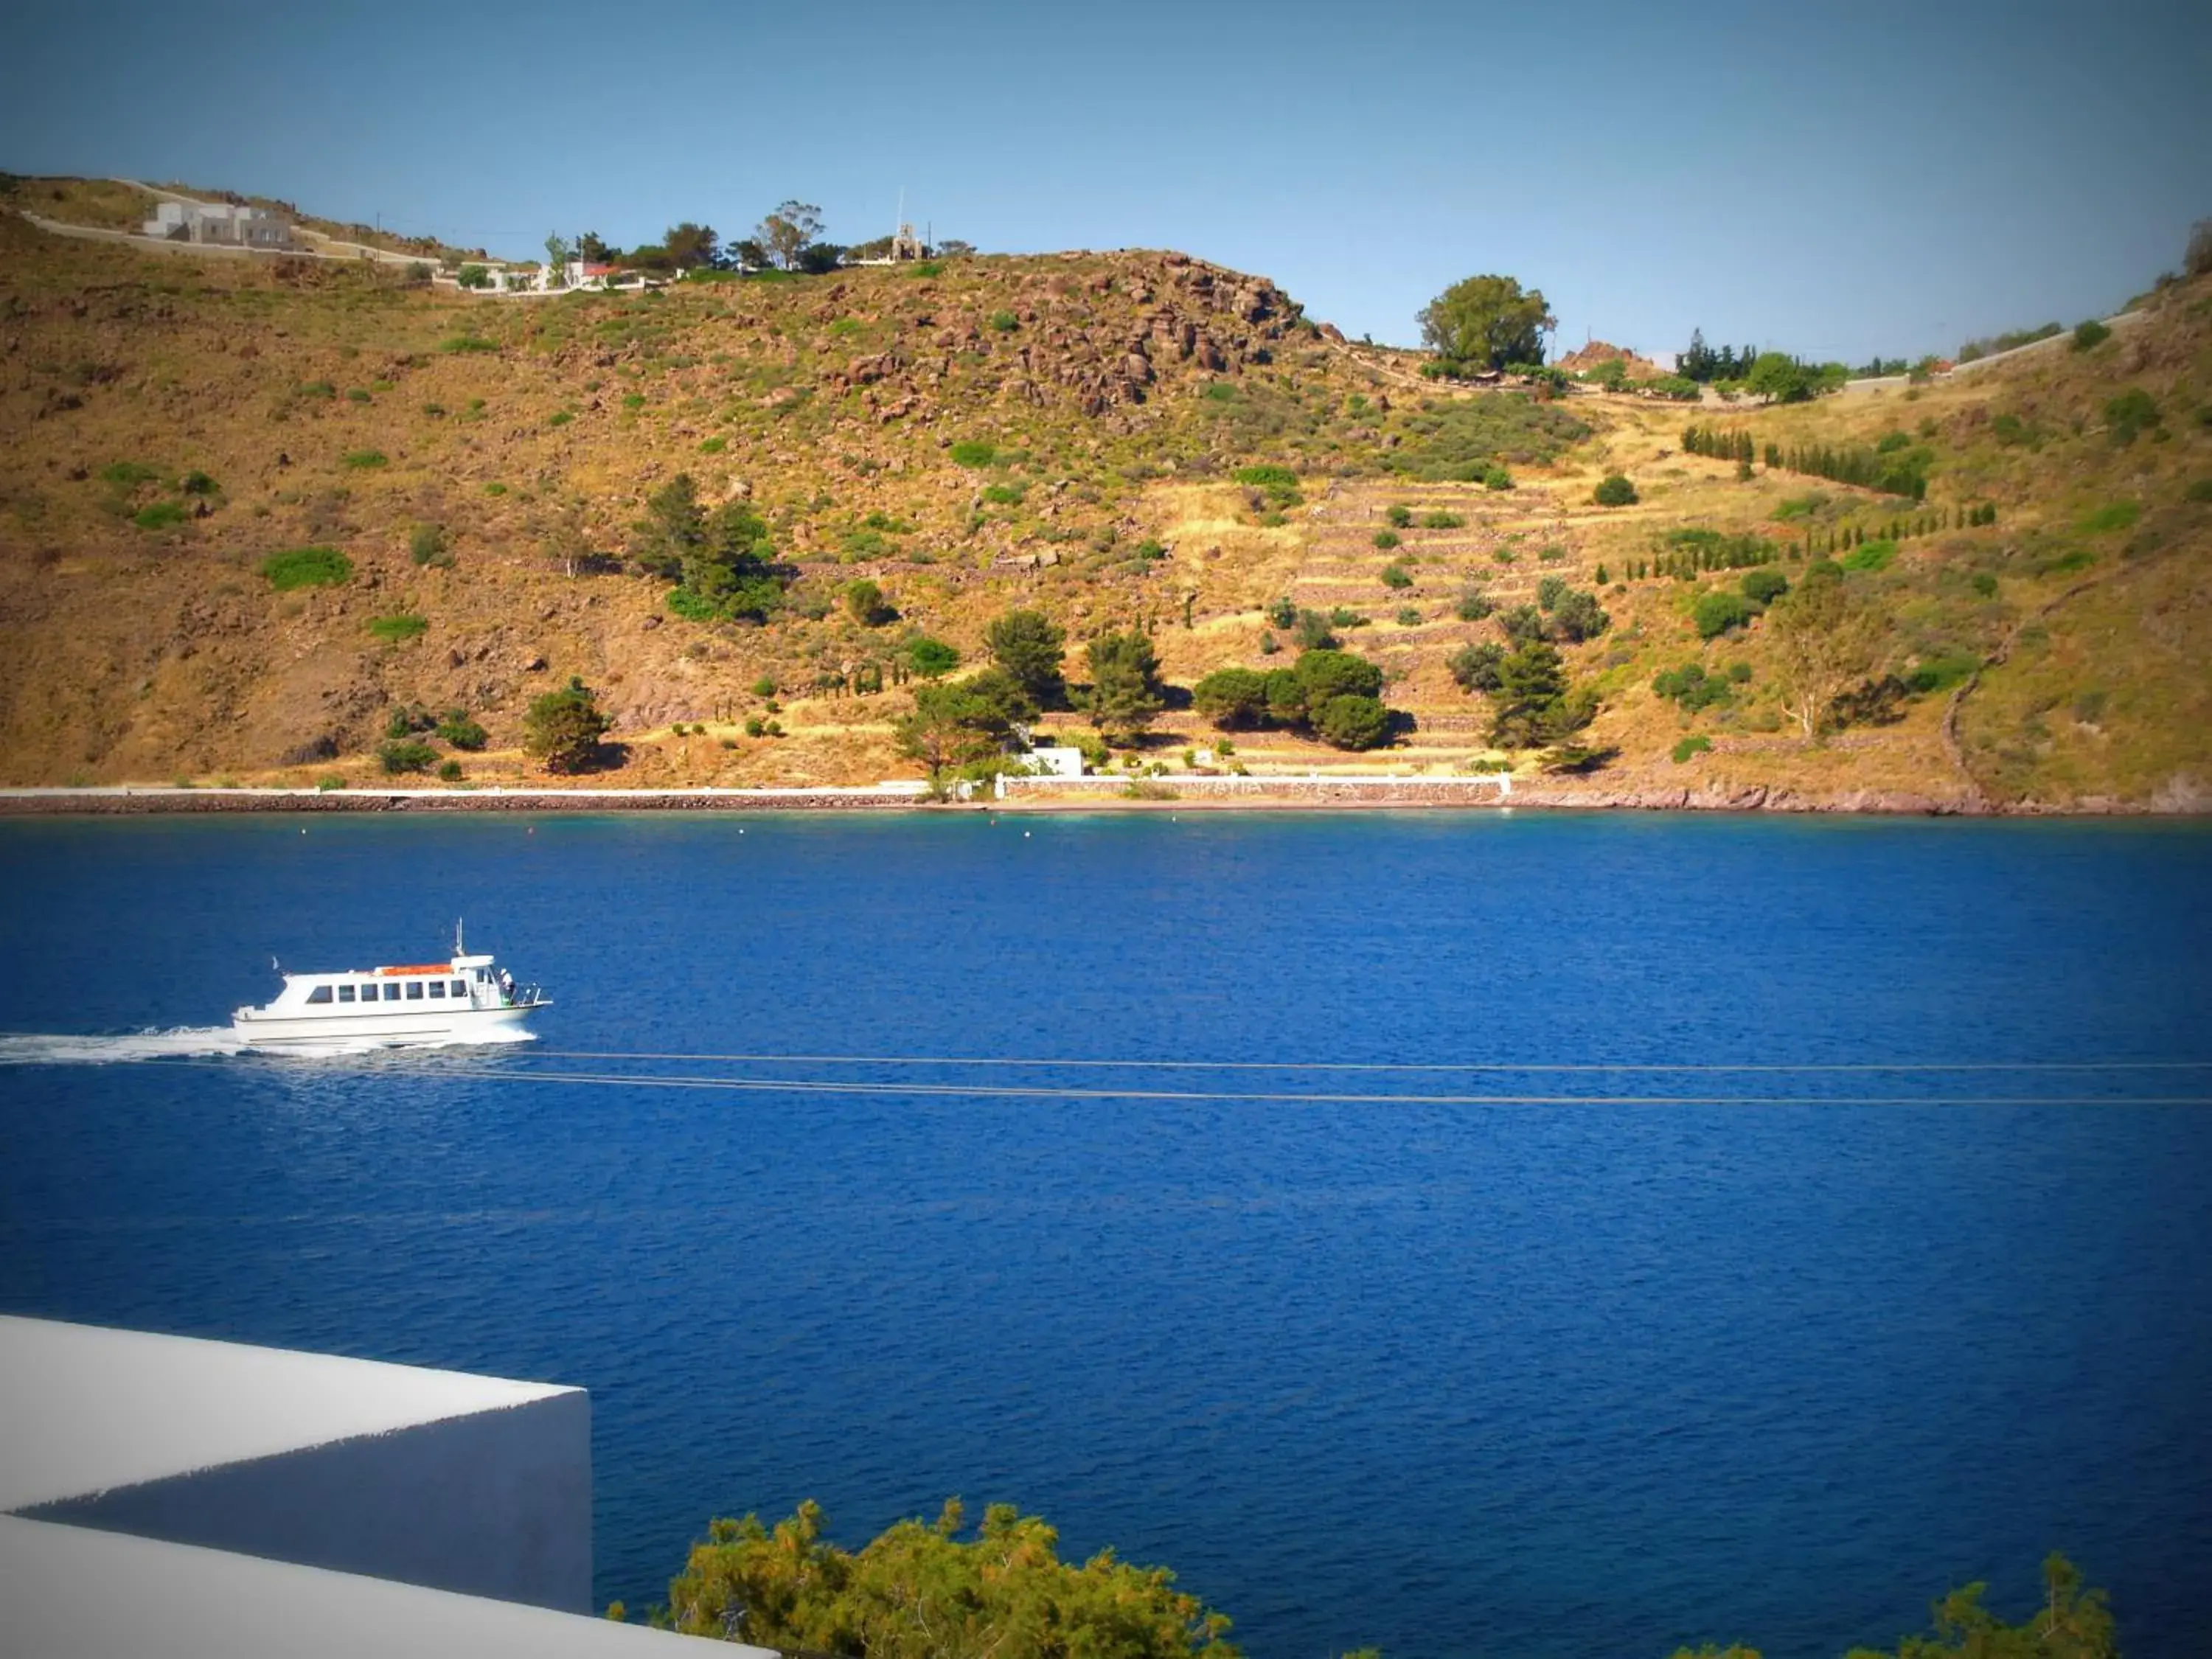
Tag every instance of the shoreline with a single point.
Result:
(1088, 795)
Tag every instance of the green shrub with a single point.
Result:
(406, 755)
(633, 400)
(360, 460)
(2131, 412)
(128, 474)
(318, 389)
(974, 451)
(1764, 585)
(1386, 539)
(2065, 564)
(449, 771)
(1004, 321)
(1476, 667)
(1940, 673)
(1615, 491)
(199, 484)
(1399, 517)
(561, 417)
(1396, 575)
(357, 395)
(332, 780)
(1985, 584)
(1473, 605)
(1550, 554)
(462, 344)
(1869, 556)
(2118, 515)
(1693, 689)
(931, 658)
(2089, 336)
(692, 607)
(1409, 616)
(712, 446)
(1496, 477)
(426, 544)
(1441, 520)
(458, 729)
(307, 567)
(161, 515)
(1718, 611)
(401, 625)
(1004, 495)
(2201, 490)
(1696, 744)
(1219, 392)
(495, 488)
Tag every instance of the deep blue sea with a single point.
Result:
(1627, 1330)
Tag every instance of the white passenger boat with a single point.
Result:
(465, 997)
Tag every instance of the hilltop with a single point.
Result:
(1061, 433)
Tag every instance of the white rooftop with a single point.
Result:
(88, 1409)
(225, 1439)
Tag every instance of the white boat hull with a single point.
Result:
(389, 1024)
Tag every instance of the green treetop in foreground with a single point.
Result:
(922, 1592)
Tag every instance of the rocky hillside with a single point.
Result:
(1054, 432)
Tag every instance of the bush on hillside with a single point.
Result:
(161, 515)
(2132, 412)
(1763, 586)
(1475, 667)
(307, 567)
(406, 755)
(1441, 520)
(1399, 517)
(1615, 491)
(403, 625)
(563, 728)
(1461, 440)
(1718, 611)
(463, 733)
(973, 451)
(1473, 605)
(2089, 336)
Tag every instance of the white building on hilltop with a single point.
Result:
(220, 224)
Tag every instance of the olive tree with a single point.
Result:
(1488, 320)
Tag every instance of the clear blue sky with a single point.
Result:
(1832, 181)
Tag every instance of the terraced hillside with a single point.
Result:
(1057, 432)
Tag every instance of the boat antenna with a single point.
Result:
(459, 949)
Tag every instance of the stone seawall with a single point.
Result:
(118, 802)
(1085, 794)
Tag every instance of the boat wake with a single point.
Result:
(212, 1041)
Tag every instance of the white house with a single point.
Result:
(1056, 762)
(220, 224)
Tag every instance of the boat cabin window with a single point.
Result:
(413, 990)
(392, 994)
(437, 987)
(460, 988)
(345, 994)
(321, 994)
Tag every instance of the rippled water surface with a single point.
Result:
(1539, 1361)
